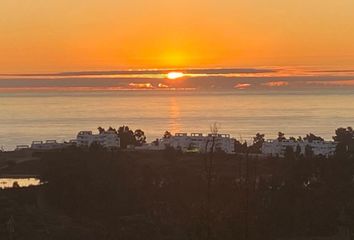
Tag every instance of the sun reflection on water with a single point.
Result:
(174, 116)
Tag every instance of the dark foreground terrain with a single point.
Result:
(168, 195)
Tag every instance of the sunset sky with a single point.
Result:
(41, 36)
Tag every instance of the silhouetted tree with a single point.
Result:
(110, 129)
(167, 134)
(209, 164)
(312, 137)
(258, 141)
(140, 137)
(345, 139)
(176, 200)
(298, 151)
(281, 136)
(126, 136)
(244, 147)
(344, 135)
(96, 147)
(240, 147)
(308, 151)
(289, 153)
(100, 130)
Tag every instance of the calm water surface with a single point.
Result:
(19, 182)
(60, 115)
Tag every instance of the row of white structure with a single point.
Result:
(107, 139)
(195, 142)
(278, 148)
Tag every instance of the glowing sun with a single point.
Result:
(174, 75)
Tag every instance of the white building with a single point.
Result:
(108, 139)
(197, 142)
(47, 145)
(278, 148)
(22, 147)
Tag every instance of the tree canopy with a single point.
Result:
(312, 137)
(126, 136)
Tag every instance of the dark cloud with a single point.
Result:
(334, 71)
(210, 81)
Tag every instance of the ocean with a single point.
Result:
(59, 115)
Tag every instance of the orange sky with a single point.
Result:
(71, 35)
